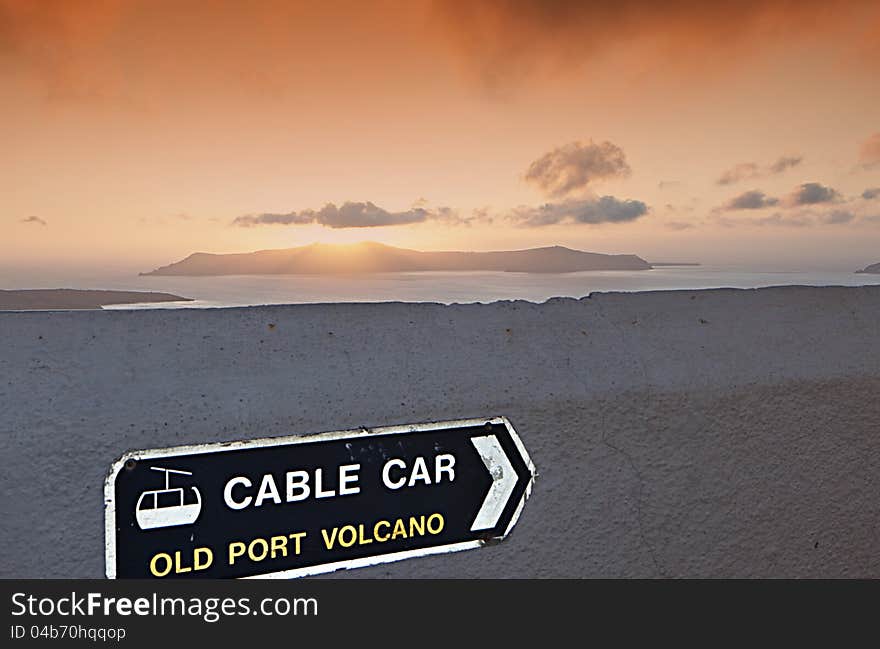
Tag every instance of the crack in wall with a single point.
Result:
(658, 567)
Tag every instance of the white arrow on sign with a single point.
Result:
(504, 480)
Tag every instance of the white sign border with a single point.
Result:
(219, 447)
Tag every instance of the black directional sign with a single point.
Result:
(294, 506)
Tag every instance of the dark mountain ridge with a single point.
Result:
(378, 258)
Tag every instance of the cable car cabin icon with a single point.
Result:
(167, 507)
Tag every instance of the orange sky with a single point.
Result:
(135, 132)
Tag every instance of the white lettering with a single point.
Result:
(319, 490)
(227, 493)
(419, 472)
(268, 489)
(444, 464)
(345, 478)
(297, 480)
(386, 473)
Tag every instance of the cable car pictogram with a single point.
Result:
(167, 507)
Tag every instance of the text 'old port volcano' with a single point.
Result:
(302, 505)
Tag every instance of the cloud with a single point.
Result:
(871, 193)
(752, 170)
(804, 194)
(36, 220)
(606, 209)
(678, 225)
(481, 214)
(739, 172)
(348, 215)
(837, 217)
(451, 216)
(269, 218)
(750, 200)
(812, 194)
(805, 217)
(594, 210)
(789, 220)
(784, 163)
(60, 44)
(572, 167)
(505, 41)
(90, 47)
(869, 152)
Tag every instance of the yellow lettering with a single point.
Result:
(352, 540)
(416, 525)
(380, 539)
(296, 539)
(236, 549)
(438, 523)
(154, 565)
(253, 555)
(209, 558)
(178, 568)
(331, 540)
(278, 544)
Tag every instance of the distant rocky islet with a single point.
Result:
(369, 257)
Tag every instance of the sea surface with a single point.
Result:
(443, 287)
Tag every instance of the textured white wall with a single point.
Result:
(693, 433)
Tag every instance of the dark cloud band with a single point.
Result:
(752, 170)
(606, 209)
(751, 200)
(593, 211)
(813, 194)
(348, 215)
